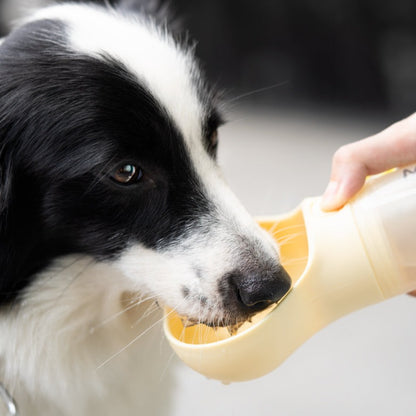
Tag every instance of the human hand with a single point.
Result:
(352, 163)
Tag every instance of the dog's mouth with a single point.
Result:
(195, 331)
(232, 324)
(232, 327)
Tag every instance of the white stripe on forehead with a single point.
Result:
(147, 51)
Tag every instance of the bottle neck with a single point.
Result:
(339, 273)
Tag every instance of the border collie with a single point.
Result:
(111, 199)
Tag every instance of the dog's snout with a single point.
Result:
(256, 290)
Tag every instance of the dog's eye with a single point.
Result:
(127, 174)
(213, 142)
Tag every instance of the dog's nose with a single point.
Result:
(257, 290)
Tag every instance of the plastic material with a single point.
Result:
(339, 262)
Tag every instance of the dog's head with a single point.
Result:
(108, 138)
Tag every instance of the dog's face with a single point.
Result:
(108, 147)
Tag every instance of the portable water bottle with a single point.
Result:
(339, 262)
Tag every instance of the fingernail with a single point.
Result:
(330, 197)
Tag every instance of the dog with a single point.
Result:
(111, 200)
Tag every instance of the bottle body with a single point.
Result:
(385, 214)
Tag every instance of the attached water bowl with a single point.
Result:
(206, 349)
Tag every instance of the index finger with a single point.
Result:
(394, 146)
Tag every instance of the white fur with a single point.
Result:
(70, 323)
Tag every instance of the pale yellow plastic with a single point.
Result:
(339, 262)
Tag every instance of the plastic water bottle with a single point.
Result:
(339, 262)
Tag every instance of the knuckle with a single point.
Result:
(344, 155)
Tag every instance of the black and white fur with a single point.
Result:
(85, 89)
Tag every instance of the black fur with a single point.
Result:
(67, 121)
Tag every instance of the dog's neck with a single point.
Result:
(100, 331)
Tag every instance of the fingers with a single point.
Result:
(395, 146)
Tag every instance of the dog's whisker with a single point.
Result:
(72, 281)
(99, 176)
(168, 363)
(275, 230)
(199, 319)
(133, 304)
(187, 323)
(129, 344)
(192, 312)
(152, 308)
(257, 91)
(286, 262)
(134, 340)
(287, 239)
(56, 269)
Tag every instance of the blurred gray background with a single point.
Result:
(303, 77)
(349, 54)
(353, 54)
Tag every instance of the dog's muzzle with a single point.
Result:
(246, 292)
